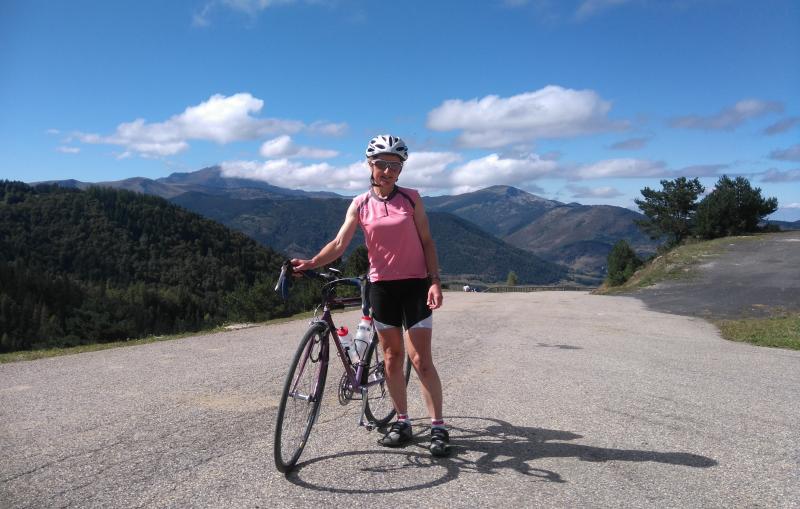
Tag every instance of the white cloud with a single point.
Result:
(429, 170)
(641, 168)
(221, 119)
(630, 144)
(774, 175)
(292, 174)
(68, 150)
(729, 118)
(53, 131)
(283, 146)
(622, 168)
(494, 170)
(594, 192)
(426, 171)
(254, 6)
(551, 112)
(702, 170)
(328, 128)
(249, 7)
(589, 8)
(200, 19)
(788, 154)
(791, 206)
(782, 126)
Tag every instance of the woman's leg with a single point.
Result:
(394, 357)
(419, 349)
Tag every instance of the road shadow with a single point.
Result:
(560, 347)
(479, 445)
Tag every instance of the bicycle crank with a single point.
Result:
(345, 390)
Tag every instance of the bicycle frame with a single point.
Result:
(354, 374)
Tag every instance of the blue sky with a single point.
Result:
(574, 100)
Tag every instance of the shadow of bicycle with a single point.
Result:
(480, 445)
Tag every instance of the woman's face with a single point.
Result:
(388, 176)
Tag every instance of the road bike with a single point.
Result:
(305, 382)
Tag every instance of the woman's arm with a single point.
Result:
(335, 248)
(431, 260)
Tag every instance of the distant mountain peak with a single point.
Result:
(202, 175)
(502, 189)
(516, 195)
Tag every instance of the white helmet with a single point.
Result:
(387, 144)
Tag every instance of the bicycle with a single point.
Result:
(304, 386)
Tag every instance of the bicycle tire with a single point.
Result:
(296, 415)
(379, 408)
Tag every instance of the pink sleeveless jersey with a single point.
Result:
(393, 244)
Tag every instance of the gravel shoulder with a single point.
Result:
(554, 399)
(753, 277)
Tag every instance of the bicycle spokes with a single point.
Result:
(301, 398)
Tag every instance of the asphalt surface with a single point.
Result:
(753, 277)
(556, 399)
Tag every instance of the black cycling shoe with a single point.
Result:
(440, 442)
(399, 434)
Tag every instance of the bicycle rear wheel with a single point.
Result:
(301, 398)
(379, 408)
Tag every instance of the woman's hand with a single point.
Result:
(300, 265)
(435, 296)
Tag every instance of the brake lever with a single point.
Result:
(281, 278)
(284, 283)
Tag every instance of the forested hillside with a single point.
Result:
(298, 227)
(102, 264)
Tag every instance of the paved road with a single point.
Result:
(752, 277)
(555, 399)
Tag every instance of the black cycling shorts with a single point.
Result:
(403, 302)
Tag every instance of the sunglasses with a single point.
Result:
(383, 165)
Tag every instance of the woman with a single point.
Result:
(404, 282)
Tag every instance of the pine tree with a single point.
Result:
(622, 263)
(732, 208)
(511, 280)
(671, 211)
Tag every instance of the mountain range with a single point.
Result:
(486, 232)
(577, 236)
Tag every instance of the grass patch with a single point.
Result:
(781, 332)
(29, 355)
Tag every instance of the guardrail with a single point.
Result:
(526, 289)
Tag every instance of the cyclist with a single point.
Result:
(404, 283)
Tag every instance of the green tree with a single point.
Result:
(671, 211)
(733, 207)
(512, 278)
(622, 263)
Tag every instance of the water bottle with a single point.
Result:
(345, 340)
(363, 337)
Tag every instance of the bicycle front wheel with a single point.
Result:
(301, 398)
(379, 408)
